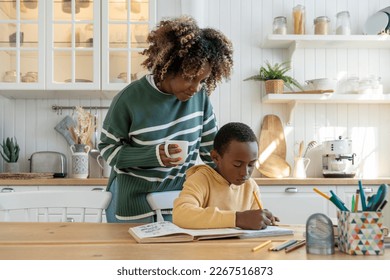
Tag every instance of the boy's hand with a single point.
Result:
(271, 217)
(253, 219)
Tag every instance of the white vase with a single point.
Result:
(79, 161)
(11, 167)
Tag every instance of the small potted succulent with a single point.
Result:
(275, 77)
(10, 153)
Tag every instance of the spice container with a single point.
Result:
(376, 85)
(352, 85)
(280, 25)
(343, 23)
(321, 25)
(299, 19)
(10, 76)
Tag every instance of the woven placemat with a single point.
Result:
(26, 175)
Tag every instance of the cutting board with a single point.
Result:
(272, 139)
(272, 149)
(275, 167)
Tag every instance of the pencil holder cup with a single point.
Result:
(360, 233)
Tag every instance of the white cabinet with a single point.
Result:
(294, 204)
(21, 45)
(125, 27)
(77, 49)
(73, 45)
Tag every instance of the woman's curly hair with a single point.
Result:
(180, 46)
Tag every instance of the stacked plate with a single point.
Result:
(378, 23)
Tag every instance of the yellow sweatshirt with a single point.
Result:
(209, 201)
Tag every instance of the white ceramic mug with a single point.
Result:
(300, 166)
(104, 166)
(183, 145)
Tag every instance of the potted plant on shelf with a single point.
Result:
(275, 77)
(10, 153)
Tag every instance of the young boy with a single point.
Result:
(223, 197)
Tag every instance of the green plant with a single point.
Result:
(276, 72)
(10, 152)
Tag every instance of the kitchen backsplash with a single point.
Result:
(247, 22)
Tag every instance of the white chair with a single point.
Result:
(48, 206)
(160, 201)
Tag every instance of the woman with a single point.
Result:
(186, 63)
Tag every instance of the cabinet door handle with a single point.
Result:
(7, 190)
(98, 189)
(291, 190)
(368, 190)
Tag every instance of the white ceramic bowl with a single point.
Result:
(322, 84)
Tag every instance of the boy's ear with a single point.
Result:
(214, 156)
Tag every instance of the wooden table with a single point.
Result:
(77, 241)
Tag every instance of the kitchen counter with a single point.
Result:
(260, 181)
(55, 182)
(320, 181)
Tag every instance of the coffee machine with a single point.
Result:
(338, 160)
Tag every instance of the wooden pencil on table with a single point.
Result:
(262, 245)
(295, 246)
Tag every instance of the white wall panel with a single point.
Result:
(246, 23)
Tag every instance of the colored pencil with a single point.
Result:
(321, 193)
(295, 246)
(262, 245)
(356, 201)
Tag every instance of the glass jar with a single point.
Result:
(299, 19)
(343, 23)
(321, 25)
(280, 25)
(352, 85)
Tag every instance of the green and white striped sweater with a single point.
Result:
(141, 118)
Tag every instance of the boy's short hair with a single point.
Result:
(232, 131)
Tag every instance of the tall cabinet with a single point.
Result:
(125, 26)
(72, 48)
(22, 44)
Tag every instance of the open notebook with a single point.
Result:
(166, 231)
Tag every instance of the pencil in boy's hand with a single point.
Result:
(257, 200)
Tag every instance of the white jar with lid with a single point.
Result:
(321, 25)
(343, 23)
(280, 25)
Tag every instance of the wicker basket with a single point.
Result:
(274, 86)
